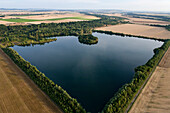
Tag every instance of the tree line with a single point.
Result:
(55, 92)
(123, 97)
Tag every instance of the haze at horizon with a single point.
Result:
(132, 5)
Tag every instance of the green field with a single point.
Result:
(20, 20)
(32, 20)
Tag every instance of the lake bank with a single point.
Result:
(90, 66)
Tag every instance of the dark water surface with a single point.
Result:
(90, 73)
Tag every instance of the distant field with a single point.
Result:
(79, 18)
(139, 30)
(19, 20)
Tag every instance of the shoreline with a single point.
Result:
(137, 37)
(22, 88)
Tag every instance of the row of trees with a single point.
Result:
(55, 92)
(165, 26)
(123, 97)
(145, 16)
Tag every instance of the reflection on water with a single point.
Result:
(90, 73)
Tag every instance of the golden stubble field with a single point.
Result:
(139, 30)
(18, 94)
(155, 97)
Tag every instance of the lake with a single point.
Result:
(90, 73)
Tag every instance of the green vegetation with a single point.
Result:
(2, 15)
(41, 42)
(39, 32)
(55, 92)
(155, 17)
(168, 27)
(88, 39)
(123, 97)
(20, 20)
(165, 26)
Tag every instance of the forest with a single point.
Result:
(22, 33)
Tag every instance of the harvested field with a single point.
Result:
(58, 21)
(139, 30)
(18, 94)
(155, 97)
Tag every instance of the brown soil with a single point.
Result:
(18, 94)
(140, 30)
(155, 97)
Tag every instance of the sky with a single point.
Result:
(132, 5)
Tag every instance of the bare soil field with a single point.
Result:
(139, 30)
(155, 97)
(18, 94)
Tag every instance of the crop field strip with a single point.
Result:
(33, 20)
(18, 93)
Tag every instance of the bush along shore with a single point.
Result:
(55, 92)
(121, 100)
(117, 104)
(124, 35)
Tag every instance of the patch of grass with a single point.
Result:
(20, 20)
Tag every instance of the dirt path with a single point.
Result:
(18, 94)
(155, 97)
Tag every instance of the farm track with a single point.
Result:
(18, 94)
(155, 97)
